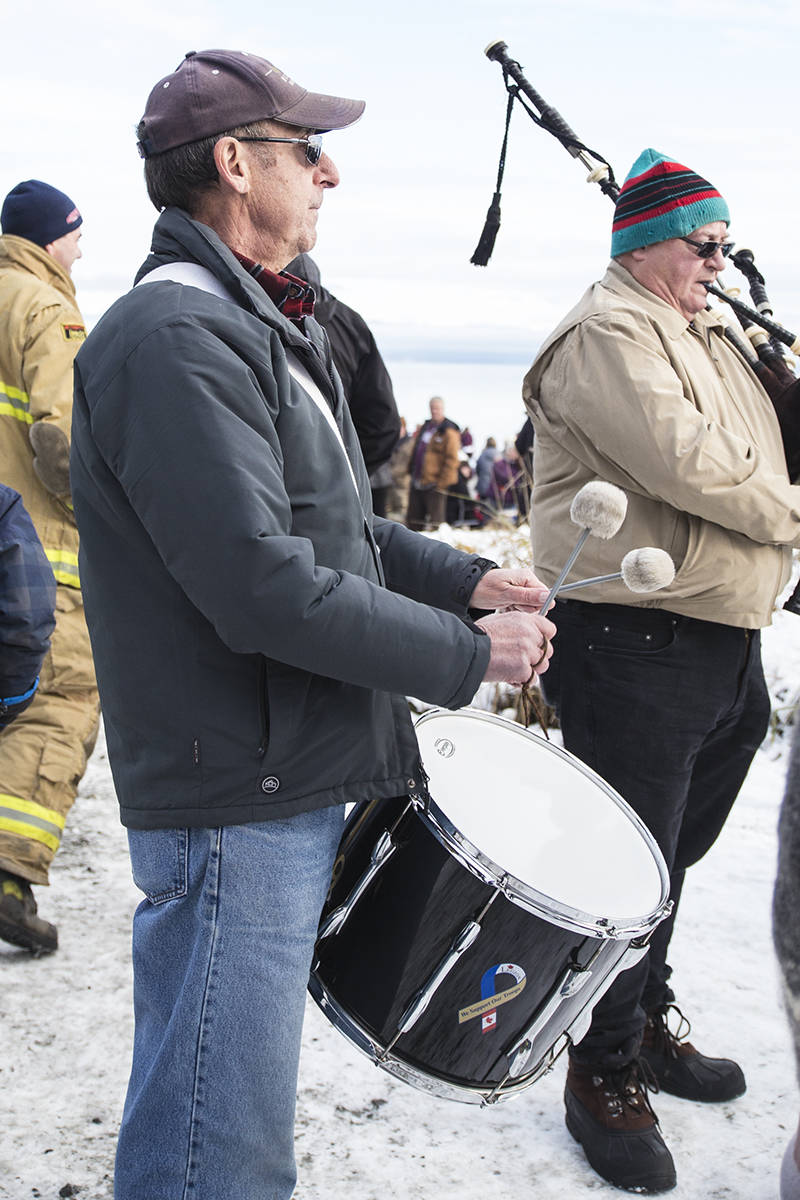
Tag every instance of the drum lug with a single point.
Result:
(518, 1058)
(381, 852)
(634, 953)
(461, 942)
(572, 981)
(546, 1064)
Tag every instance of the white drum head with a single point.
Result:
(541, 815)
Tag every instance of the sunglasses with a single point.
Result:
(312, 143)
(709, 249)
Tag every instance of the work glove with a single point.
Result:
(51, 457)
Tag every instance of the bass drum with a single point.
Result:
(468, 932)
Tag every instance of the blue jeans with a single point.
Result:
(669, 710)
(222, 948)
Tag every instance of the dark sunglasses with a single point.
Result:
(312, 143)
(709, 249)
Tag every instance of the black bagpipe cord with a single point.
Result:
(483, 251)
(485, 246)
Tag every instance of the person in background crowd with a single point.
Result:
(523, 444)
(397, 500)
(504, 492)
(460, 508)
(366, 381)
(43, 755)
(786, 934)
(665, 698)
(433, 468)
(483, 468)
(257, 629)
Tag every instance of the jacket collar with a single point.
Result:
(620, 282)
(25, 255)
(178, 238)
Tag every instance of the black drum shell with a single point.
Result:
(403, 926)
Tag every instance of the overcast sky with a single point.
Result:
(713, 85)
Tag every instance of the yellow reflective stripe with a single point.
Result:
(31, 832)
(66, 579)
(32, 809)
(16, 403)
(42, 824)
(67, 558)
(8, 410)
(65, 566)
(14, 393)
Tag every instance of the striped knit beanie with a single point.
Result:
(662, 199)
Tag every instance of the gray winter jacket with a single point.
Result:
(255, 629)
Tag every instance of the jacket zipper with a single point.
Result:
(263, 708)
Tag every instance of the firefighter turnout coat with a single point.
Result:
(43, 754)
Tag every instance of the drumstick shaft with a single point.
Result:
(571, 587)
(565, 571)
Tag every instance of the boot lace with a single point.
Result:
(628, 1088)
(665, 1040)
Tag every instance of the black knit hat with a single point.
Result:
(214, 90)
(39, 212)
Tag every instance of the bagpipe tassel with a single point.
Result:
(485, 246)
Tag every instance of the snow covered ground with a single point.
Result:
(65, 1025)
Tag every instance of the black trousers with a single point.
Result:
(670, 711)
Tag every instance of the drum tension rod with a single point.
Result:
(574, 978)
(418, 792)
(460, 943)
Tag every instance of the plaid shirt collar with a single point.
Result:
(290, 295)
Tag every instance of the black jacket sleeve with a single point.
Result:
(366, 381)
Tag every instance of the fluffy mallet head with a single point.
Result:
(647, 570)
(599, 507)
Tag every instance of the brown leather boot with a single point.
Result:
(609, 1113)
(682, 1070)
(19, 923)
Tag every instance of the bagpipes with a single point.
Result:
(758, 338)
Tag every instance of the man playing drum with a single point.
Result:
(256, 630)
(663, 697)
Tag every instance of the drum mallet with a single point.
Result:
(599, 509)
(644, 570)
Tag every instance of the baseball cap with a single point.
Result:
(214, 90)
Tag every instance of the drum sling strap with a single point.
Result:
(193, 275)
